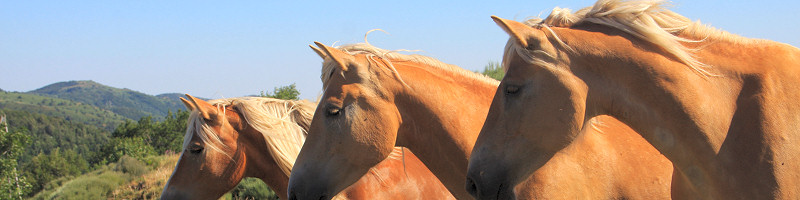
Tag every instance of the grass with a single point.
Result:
(150, 184)
(126, 179)
(93, 185)
(133, 179)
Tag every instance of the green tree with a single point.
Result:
(168, 134)
(494, 70)
(135, 147)
(144, 138)
(48, 132)
(289, 92)
(162, 136)
(12, 184)
(43, 168)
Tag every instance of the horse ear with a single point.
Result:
(203, 107)
(188, 104)
(318, 51)
(337, 55)
(517, 30)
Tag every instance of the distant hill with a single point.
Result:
(175, 97)
(170, 96)
(125, 102)
(75, 112)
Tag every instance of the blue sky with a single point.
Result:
(217, 49)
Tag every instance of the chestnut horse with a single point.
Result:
(375, 99)
(723, 108)
(229, 139)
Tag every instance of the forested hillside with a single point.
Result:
(48, 133)
(75, 112)
(134, 163)
(125, 102)
(69, 128)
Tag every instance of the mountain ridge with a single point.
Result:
(126, 102)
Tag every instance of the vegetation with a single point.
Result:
(125, 102)
(145, 138)
(56, 147)
(79, 113)
(44, 168)
(77, 140)
(150, 184)
(251, 188)
(48, 133)
(12, 184)
(289, 92)
(494, 70)
(128, 178)
(131, 151)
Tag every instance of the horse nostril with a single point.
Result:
(292, 196)
(472, 188)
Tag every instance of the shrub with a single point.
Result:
(252, 188)
(130, 165)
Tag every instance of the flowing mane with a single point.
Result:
(283, 123)
(647, 20)
(387, 56)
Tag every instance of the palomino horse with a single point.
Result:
(375, 99)
(229, 139)
(723, 108)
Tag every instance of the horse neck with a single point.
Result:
(260, 164)
(685, 115)
(442, 113)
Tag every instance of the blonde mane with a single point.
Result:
(283, 123)
(387, 56)
(647, 20)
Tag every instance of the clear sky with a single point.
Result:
(217, 49)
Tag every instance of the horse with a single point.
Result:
(722, 108)
(229, 139)
(375, 99)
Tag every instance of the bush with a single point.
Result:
(252, 188)
(131, 166)
(118, 147)
(151, 184)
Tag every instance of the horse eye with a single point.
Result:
(512, 89)
(333, 111)
(195, 149)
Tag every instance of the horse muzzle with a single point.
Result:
(489, 183)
